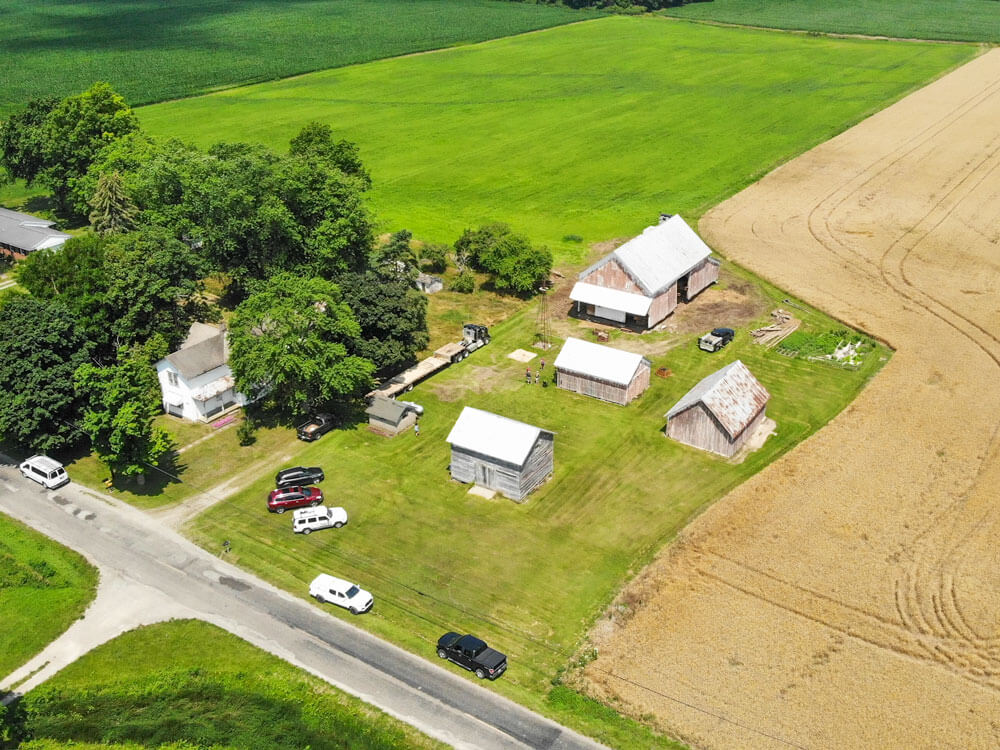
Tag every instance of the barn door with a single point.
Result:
(484, 475)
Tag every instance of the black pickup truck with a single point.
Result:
(315, 427)
(473, 654)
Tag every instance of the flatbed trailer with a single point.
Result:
(473, 337)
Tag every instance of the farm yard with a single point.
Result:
(559, 134)
(960, 20)
(151, 51)
(847, 595)
(528, 578)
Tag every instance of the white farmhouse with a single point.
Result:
(196, 381)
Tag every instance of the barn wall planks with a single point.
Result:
(514, 482)
(662, 305)
(698, 427)
(611, 392)
(700, 277)
(612, 276)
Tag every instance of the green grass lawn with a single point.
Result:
(44, 587)
(528, 578)
(590, 129)
(198, 684)
(962, 20)
(151, 51)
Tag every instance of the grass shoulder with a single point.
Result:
(44, 587)
(198, 684)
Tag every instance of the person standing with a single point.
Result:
(416, 429)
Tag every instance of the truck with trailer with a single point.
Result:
(474, 336)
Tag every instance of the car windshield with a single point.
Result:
(352, 592)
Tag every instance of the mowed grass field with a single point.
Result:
(151, 50)
(589, 129)
(198, 684)
(528, 578)
(961, 20)
(44, 587)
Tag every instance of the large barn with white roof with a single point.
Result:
(641, 282)
(601, 371)
(500, 454)
(722, 412)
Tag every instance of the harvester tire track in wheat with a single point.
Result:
(849, 594)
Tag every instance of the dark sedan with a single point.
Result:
(298, 476)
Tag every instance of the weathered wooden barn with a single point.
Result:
(720, 413)
(601, 371)
(389, 417)
(641, 282)
(22, 234)
(498, 453)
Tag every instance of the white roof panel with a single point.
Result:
(660, 255)
(614, 299)
(596, 361)
(492, 435)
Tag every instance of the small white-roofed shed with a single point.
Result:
(721, 412)
(500, 454)
(601, 371)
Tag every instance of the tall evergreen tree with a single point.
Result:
(113, 212)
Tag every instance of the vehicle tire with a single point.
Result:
(320, 599)
(279, 511)
(307, 531)
(442, 653)
(338, 524)
(314, 503)
(486, 341)
(481, 673)
(409, 388)
(354, 610)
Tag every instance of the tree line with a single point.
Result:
(318, 308)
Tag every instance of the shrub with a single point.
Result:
(465, 283)
(435, 258)
(246, 433)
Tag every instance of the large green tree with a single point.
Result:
(293, 338)
(516, 264)
(74, 132)
(121, 403)
(21, 151)
(393, 319)
(41, 346)
(153, 285)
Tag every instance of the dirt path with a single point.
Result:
(849, 595)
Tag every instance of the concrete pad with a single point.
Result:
(482, 492)
(522, 355)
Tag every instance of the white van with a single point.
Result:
(308, 520)
(325, 588)
(45, 471)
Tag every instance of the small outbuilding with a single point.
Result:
(601, 371)
(721, 413)
(429, 284)
(500, 454)
(389, 417)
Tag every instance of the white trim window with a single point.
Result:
(172, 378)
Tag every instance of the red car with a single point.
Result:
(293, 497)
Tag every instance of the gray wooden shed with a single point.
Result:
(601, 371)
(720, 413)
(498, 453)
(388, 417)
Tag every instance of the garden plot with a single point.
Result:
(849, 594)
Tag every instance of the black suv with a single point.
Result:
(298, 475)
(473, 654)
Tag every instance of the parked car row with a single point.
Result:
(467, 651)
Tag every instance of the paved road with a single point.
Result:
(150, 573)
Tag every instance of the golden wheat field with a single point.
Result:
(849, 595)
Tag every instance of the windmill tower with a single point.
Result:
(542, 325)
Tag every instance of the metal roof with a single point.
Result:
(614, 299)
(596, 361)
(495, 436)
(659, 256)
(28, 233)
(387, 410)
(209, 351)
(732, 394)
